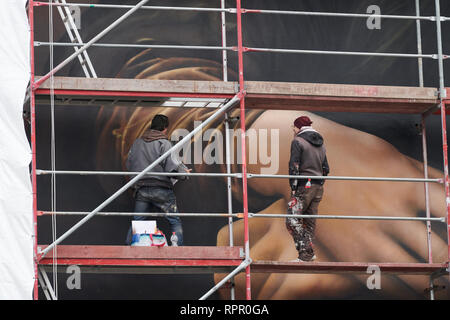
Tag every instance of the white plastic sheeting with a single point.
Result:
(16, 213)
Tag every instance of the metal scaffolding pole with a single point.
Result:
(123, 173)
(187, 138)
(239, 176)
(419, 43)
(74, 36)
(243, 148)
(426, 187)
(346, 53)
(121, 6)
(244, 264)
(127, 45)
(443, 96)
(424, 133)
(240, 215)
(46, 285)
(246, 49)
(337, 217)
(243, 10)
(33, 147)
(89, 44)
(227, 139)
(146, 214)
(379, 179)
(343, 15)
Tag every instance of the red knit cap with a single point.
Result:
(302, 122)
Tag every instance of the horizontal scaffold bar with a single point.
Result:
(246, 49)
(146, 214)
(244, 10)
(347, 53)
(125, 45)
(240, 215)
(123, 173)
(122, 6)
(344, 14)
(238, 175)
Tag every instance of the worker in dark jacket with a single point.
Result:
(308, 158)
(156, 191)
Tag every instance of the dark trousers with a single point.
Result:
(306, 201)
(163, 200)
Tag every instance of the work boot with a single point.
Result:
(307, 254)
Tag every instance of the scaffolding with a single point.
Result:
(223, 96)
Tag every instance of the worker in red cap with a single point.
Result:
(308, 158)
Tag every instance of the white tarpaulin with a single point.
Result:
(16, 215)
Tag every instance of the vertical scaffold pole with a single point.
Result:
(426, 186)
(33, 146)
(443, 96)
(419, 44)
(427, 200)
(227, 138)
(424, 134)
(243, 148)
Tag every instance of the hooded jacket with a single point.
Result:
(308, 157)
(148, 148)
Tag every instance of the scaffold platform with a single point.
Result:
(348, 267)
(259, 95)
(207, 259)
(148, 260)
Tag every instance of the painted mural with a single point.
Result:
(374, 145)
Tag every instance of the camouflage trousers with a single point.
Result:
(304, 202)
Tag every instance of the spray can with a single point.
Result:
(174, 240)
(308, 184)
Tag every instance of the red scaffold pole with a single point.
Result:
(33, 145)
(243, 148)
(446, 173)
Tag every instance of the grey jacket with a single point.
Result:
(308, 157)
(148, 148)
